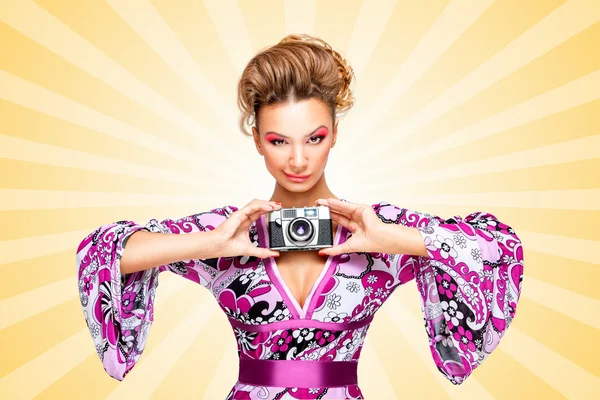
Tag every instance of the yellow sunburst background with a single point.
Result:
(127, 110)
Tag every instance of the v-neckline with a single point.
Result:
(283, 289)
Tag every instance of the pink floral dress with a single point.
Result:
(469, 286)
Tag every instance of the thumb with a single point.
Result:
(330, 251)
(266, 253)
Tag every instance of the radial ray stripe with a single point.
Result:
(229, 22)
(27, 304)
(221, 382)
(537, 357)
(550, 268)
(374, 380)
(337, 34)
(36, 246)
(565, 152)
(455, 19)
(537, 364)
(53, 34)
(572, 94)
(147, 377)
(263, 34)
(574, 305)
(407, 25)
(27, 124)
(149, 24)
(300, 16)
(580, 121)
(573, 17)
(372, 19)
(500, 24)
(170, 313)
(584, 199)
(35, 97)
(15, 199)
(412, 330)
(31, 151)
(48, 222)
(63, 357)
(127, 48)
(392, 344)
(216, 347)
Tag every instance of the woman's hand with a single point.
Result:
(233, 233)
(361, 220)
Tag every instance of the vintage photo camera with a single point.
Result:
(306, 228)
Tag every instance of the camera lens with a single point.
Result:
(301, 230)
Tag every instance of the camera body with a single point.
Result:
(300, 228)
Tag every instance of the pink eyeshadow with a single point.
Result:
(272, 136)
(323, 132)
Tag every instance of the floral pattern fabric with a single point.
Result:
(469, 286)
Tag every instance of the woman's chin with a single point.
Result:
(296, 186)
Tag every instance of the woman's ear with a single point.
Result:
(256, 137)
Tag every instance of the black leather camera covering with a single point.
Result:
(325, 236)
(275, 235)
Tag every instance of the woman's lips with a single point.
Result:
(297, 178)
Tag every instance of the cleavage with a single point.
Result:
(300, 272)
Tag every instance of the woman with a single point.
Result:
(300, 321)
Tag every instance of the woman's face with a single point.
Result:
(295, 138)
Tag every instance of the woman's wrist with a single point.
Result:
(202, 245)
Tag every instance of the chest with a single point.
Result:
(300, 271)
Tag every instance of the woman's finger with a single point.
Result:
(335, 250)
(255, 204)
(338, 211)
(341, 207)
(241, 216)
(262, 252)
(249, 210)
(340, 219)
(256, 214)
(344, 207)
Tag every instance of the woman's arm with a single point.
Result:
(118, 303)
(469, 282)
(145, 250)
(400, 239)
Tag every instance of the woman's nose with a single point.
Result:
(299, 158)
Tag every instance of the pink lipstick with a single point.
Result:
(297, 178)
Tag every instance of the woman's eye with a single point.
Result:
(278, 142)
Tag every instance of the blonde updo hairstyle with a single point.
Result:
(298, 68)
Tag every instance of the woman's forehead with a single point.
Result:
(294, 117)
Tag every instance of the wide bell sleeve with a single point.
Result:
(118, 308)
(469, 285)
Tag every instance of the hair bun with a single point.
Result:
(300, 66)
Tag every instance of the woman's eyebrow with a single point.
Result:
(287, 137)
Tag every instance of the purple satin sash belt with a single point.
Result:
(297, 373)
